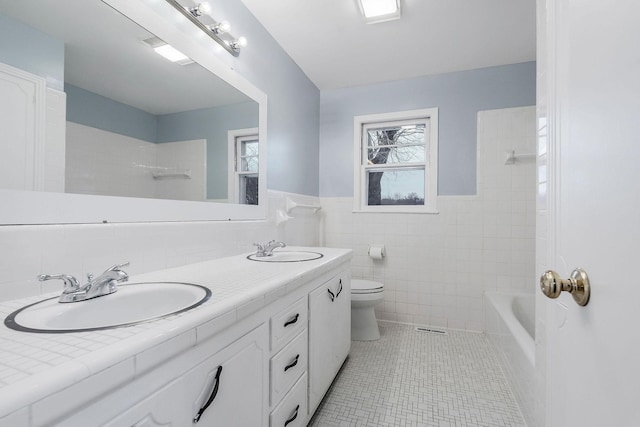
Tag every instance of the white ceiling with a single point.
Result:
(333, 45)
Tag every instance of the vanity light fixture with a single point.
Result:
(237, 44)
(203, 8)
(219, 30)
(375, 11)
(220, 27)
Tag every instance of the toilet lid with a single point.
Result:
(365, 286)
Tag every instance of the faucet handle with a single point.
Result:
(70, 282)
(118, 267)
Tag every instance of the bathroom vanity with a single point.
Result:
(262, 351)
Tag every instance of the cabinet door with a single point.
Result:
(342, 313)
(161, 409)
(329, 334)
(230, 388)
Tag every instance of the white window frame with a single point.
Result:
(233, 150)
(430, 164)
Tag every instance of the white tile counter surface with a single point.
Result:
(35, 367)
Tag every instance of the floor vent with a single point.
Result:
(431, 331)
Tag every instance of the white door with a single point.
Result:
(21, 129)
(590, 94)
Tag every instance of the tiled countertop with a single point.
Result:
(35, 366)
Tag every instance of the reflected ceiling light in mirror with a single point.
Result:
(375, 11)
(167, 51)
(219, 30)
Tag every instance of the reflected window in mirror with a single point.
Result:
(244, 165)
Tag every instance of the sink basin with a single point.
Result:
(133, 303)
(287, 256)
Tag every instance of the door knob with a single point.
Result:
(577, 285)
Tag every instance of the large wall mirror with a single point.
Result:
(119, 127)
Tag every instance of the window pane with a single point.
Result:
(249, 189)
(395, 187)
(394, 155)
(249, 164)
(249, 148)
(396, 144)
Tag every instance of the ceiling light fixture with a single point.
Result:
(167, 51)
(219, 30)
(375, 11)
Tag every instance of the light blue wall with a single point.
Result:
(293, 100)
(26, 48)
(458, 96)
(213, 125)
(90, 109)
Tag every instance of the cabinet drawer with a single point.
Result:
(287, 366)
(292, 411)
(288, 323)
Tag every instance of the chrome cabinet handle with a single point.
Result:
(293, 320)
(340, 289)
(577, 285)
(214, 393)
(293, 417)
(331, 295)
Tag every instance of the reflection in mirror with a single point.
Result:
(129, 123)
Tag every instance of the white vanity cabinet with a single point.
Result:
(233, 376)
(329, 334)
(265, 363)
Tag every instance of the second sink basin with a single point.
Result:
(133, 303)
(287, 256)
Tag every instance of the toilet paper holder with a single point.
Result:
(377, 251)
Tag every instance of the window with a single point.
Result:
(243, 166)
(396, 161)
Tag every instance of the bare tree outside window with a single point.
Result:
(400, 152)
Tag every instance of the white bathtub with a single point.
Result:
(510, 326)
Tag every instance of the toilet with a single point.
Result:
(365, 295)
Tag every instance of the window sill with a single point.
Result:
(396, 209)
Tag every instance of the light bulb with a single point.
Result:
(242, 41)
(222, 27)
(205, 8)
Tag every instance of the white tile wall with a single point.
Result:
(27, 251)
(439, 266)
(177, 157)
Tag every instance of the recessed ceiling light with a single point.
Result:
(375, 11)
(167, 51)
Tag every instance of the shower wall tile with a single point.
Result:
(438, 266)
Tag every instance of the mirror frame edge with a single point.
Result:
(34, 207)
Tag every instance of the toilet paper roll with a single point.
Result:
(376, 252)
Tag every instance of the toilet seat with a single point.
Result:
(359, 287)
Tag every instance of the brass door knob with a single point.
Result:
(577, 285)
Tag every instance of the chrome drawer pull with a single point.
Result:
(293, 417)
(292, 364)
(292, 321)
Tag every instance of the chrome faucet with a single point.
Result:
(267, 248)
(104, 284)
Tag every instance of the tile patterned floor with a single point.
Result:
(417, 379)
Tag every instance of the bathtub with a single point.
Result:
(510, 326)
